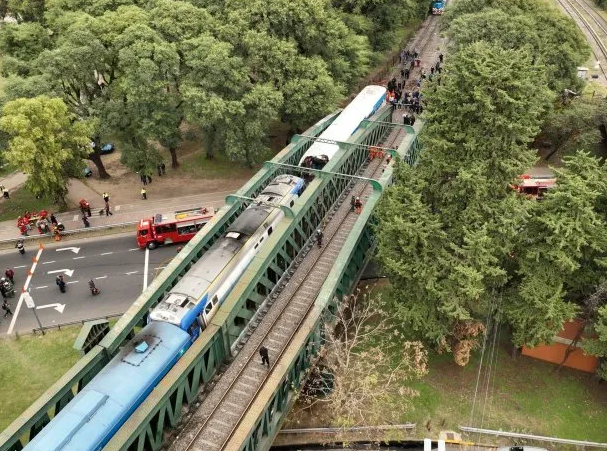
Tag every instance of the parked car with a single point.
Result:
(108, 148)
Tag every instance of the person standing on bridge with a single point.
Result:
(263, 352)
(319, 238)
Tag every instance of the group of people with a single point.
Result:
(41, 220)
(399, 97)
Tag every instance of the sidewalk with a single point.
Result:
(129, 212)
(13, 180)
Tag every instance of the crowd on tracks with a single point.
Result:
(404, 93)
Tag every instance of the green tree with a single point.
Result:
(45, 140)
(455, 213)
(551, 38)
(560, 253)
(26, 10)
(574, 126)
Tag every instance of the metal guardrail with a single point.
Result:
(386, 427)
(29, 238)
(72, 323)
(539, 438)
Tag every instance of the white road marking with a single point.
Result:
(134, 249)
(68, 272)
(106, 253)
(160, 267)
(75, 250)
(117, 208)
(145, 268)
(73, 281)
(22, 266)
(56, 306)
(77, 258)
(27, 282)
(76, 217)
(132, 272)
(100, 277)
(43, 286)
(48, 263)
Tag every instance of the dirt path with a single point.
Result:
(125, 186)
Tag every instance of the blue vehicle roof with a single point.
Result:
(97, 412)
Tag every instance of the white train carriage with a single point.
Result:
(197, 296)
(364, 105)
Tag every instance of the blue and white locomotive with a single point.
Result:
(367, 102)
(90, 420)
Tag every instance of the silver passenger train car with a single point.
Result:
(197, 296)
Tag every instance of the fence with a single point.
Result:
(539, 438)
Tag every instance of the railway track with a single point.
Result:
(220, 414)
(580, 10)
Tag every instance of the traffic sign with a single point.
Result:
(28, 300)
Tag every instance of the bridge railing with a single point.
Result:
(18, 433)
(145, 428)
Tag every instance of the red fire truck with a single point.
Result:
(177, 227)
(535, 187)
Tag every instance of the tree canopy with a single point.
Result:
(45, 142)
(459, 244)
(447, 225)
(230, 68)
(554, 41)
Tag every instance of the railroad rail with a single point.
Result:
(574, 11)
(222, 412)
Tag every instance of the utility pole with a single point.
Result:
(30, 304)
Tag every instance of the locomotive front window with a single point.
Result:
(143, 232)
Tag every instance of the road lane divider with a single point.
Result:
(145, 269)
(30, 274)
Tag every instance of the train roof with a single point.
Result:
(113, 394)
(348, 121)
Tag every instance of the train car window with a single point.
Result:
(269, 231)
(208, 308)
(256, 246)
(292, 203)
(261, 239)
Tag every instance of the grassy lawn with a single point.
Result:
(220, 167)
(21, 200)
(525, 395)
(30, 365)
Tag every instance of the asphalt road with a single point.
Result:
(115, 263)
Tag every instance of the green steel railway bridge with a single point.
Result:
(218, 396)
